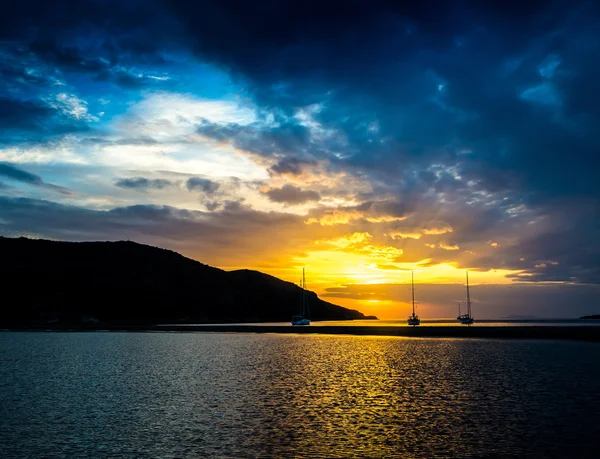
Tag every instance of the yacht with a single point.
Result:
(414, 319)
(467, 317)
(304, 318)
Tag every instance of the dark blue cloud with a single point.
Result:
(290, 165)
(290, 195)
(25, 120)
(23, 114)
(143, 184)
(282, 139)
(201, 184)
(435, 79)
(19, 175)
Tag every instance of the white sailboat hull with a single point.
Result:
(300, 322)
(414, 321)
(465, 320)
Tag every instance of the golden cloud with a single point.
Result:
(445, 246)
(436, 228)
(359, 243)
(343, 217)
(405, 235)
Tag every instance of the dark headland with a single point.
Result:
(67, 284)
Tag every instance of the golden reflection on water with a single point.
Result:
(355, 395)
(382, 397)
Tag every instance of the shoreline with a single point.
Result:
(578, 333)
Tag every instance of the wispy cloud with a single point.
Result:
(290, 195)
(142, 183)
(19, 175)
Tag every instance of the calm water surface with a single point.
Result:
(247, 395)
(433, 322)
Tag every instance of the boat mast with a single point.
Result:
(468, 297)
(413, 291)
(303, 294)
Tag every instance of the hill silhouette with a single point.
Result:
(51, 282)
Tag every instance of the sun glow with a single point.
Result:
(329, 270)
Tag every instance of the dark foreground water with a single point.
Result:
(235, 395)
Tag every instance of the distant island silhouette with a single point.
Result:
(594, 316)
(125, 283)
(519, 317)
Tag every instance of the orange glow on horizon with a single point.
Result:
(374, 266)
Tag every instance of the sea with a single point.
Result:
(236, 395)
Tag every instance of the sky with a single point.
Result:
(359, 140)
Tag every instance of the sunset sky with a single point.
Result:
(360, 140)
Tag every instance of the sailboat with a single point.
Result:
(304, 318)
(414, 319)
(467, 317)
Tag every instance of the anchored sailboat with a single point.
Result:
(414, 319)
(304, 318)
(467, 317)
